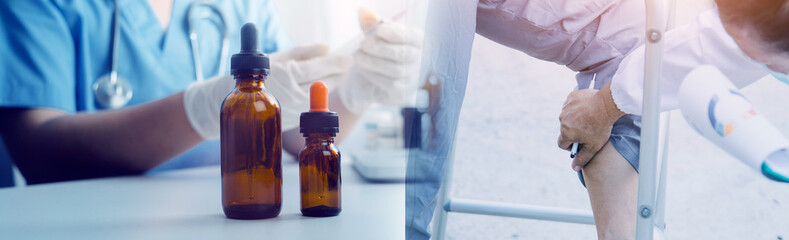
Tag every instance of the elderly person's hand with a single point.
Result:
(587, 118)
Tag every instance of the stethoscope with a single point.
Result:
(112, 91)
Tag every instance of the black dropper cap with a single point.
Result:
(319, 122)
(250, 60)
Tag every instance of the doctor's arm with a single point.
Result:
(50, 145)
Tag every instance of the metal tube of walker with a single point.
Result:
(520, 211)
(660, 217)
(655, 27)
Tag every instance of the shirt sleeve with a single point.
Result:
(37, 63)
(704, 41)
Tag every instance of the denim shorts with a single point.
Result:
(626, 138)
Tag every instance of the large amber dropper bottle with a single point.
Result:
(251, 137)
(319, 160)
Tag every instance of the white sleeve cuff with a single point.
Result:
(628, 81)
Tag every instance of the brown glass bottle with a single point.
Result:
(319, 160)
(251, 138)
(319, 172)
(251, 151)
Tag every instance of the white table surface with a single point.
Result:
(185, 204)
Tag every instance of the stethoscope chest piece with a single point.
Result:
(112, 94)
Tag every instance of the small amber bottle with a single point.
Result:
(319, 160)
(250, 137)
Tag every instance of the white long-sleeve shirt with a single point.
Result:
(704, 41)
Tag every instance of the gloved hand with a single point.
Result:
(202, 102)
(386, 67)
(292, 71)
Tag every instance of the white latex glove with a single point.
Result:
(292, 71)
(386, 68)
(202, 102)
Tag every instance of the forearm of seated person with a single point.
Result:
(293, 140)
(54, 145)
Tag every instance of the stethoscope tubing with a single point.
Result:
(117, 87)
(193, 36)
(116, 32)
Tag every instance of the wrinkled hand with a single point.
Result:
(587, 118)
(386, 68)
(294, 70)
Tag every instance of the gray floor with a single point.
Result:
(507, 152)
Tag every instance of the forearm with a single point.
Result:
(126, 141)
(141, 137)
(293, 141)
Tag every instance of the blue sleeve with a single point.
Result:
(38, 54)
(275, 38)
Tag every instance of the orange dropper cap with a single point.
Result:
(319, 119)
(319, 97)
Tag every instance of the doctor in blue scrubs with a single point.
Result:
(55, 129)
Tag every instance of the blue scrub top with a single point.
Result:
(53, 51)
